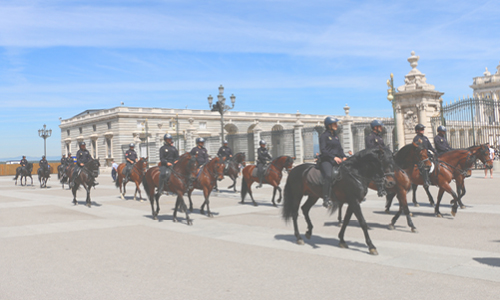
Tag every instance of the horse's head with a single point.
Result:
(289, 163)
(240, 158)
(483, 154)
(93, 166)
(219, 167)
(387, 162)
(143, 164)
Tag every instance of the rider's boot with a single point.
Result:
(327, 202)
(260, 182)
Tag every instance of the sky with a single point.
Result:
(61, 57)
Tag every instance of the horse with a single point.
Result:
(86, 178)
(400, 189)
(66, 174)
(183, 171)
(233, 168)
(60, 170)
(272, 176)
(24, 172)
(43, 176)
(136, 175)
(351, 187)
(206, 181)
(459, 162)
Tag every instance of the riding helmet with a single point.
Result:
(419, 127)
(82, 144)
(132, 145)
(262, 142)
(200, 140)
(441, 128)
(167, 136)
(330, 120)
(375, 123)
(225, 141)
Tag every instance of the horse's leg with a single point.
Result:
(347, 219)
(120, 183)
(183, 204)
(311, 200)
(88, 188)
(364, 226)
(190, 201)
(154, 197)
(274, 195)
(414, 189)
(73, 190)
(279, 190)
(249, 185)
(460, 183)
(388, 201)
(431, 199)
(440, 196)
(207, 202)
(295, 213)
(403, 208)
(446, 186)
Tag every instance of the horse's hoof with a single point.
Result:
(123, 198)
(210, 215)
(274, 204)
(202, 212)
(300, 242)
(155, 218)
(439, 215)
(241, 202)
(416, 204)
(432, 204)
(391, 227)
(410, 214)
(141, 200)
(414, 230)
(189, 222)
(343, 245)
(387, 211)
(462, 206)
(340, 223)
(255, 204)
(453, 213)
(174, 220)
(308, 235)
(373, 251)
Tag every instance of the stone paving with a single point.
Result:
(51, 249)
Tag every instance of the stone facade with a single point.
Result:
(487, 86)
(107, 132)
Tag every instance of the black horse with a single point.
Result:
(86, 178)
(233, 168)
(351, 187)
(24, 172)
(43, 176)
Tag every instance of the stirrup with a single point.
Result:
(327, 202)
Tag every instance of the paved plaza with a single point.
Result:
(51, 249)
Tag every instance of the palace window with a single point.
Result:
(94, 127)
(67, 131)
(109, 125)
(203, 125)
(80, 129)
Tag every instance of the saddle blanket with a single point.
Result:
(314, 176)
(256, 170)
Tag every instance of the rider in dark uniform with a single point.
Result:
(130, 159)
(82, 157)
(419, 130)
(44, 164)
(374, 140)
(440, 141)
(201, 151)
(225, 153)
(332, 154)
(70, 160)
(263, 157)
(63, 160)
(168, 157)
(23, 162)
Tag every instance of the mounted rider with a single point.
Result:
(69, 160)
(419, 130)
(63, 160)
(263, 157)
(225, 153)
(374, 139)
(168, 157)
(441, 142)
(332, 155)
(82, 157)
(201, 151)
(23, 162)
(44, 164)
(130, 159)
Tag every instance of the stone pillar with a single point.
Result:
(190, 133)
(256, 139)
(348, 144)
(417, 101)
(299, 143)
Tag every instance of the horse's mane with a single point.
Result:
(402, 154)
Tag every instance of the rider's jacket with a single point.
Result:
(374, 140)
(43, 163)
(70, 160)
(83, 156)
(64, 161)
(23, 162)
(441, 144)
(330, 147)
(130, 154)
(202, 155)
(263, 155)
(168, 154)
(224, 151)
(425, 142)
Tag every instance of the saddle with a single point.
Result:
(315, 177)
(255, 172)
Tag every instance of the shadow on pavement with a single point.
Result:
(317, 241)
(490, 261)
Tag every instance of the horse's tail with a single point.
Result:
(244, 188)
(117, 181)
(145, 185)
(293, 192)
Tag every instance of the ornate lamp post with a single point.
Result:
(390, 96)
(221, 107)
(44, 133)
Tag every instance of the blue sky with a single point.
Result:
(58, 58)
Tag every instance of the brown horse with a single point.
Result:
(355, 175)
(409, 155)
(459, 162)
(86, 178)
(272, 176)
(136, 174)
(233, 168)
(183, 172)
(205, 181)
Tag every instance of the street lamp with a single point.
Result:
(390, 96)
(44, 133)
(221, 107)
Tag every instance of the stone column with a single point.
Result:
(347, 131)
(400, 127)
(299, 143)
(423, 119)
(256, 139)
(190, 133)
